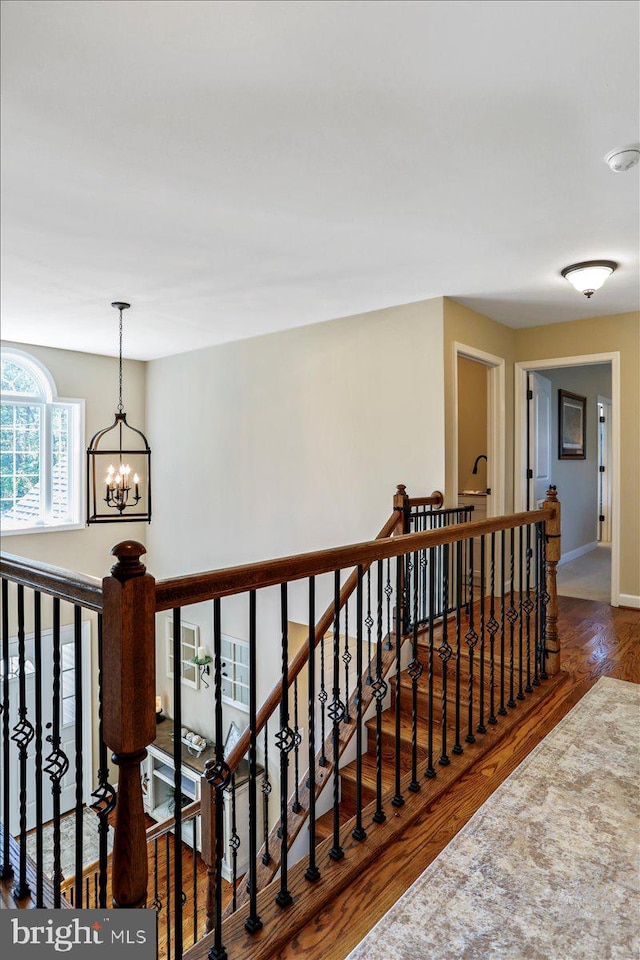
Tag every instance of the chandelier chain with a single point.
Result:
(120, 405)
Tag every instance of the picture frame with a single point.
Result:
(572, 426)
(233, 736)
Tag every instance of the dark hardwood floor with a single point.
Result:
(597, 640)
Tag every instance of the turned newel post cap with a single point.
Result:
(552, 494)
(128, 564)
(402, 490)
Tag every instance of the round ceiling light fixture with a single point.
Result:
(623, 158)
(587, 277)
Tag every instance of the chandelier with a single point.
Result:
(119, 464)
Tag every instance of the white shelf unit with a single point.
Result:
(158, 787)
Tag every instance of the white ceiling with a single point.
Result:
(234, 168)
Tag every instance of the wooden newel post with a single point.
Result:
(401, 504)
(129, 677)
(554, 551)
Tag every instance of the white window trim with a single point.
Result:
(237, 704)
(77, 473)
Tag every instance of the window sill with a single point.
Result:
(42, 528)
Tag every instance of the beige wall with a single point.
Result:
(465, 326)
(605, 335)
(472, 424)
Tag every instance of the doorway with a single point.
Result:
(586, 474)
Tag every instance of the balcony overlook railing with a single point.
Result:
(431, 636)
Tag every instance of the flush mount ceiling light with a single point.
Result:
(589, 276)
(114, 492)
(623, 158)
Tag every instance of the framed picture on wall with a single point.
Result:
(572, 426)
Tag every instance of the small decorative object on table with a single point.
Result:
(193, 741)
(159, 714)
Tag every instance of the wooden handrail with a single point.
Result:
(199, 587)
(164, 826)
(435, 500)
(56, 581)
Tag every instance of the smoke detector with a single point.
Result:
(623, 158)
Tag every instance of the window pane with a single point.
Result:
(68, 656)
(68, 711)
(7, 464)
(68, 683)
(18, 379)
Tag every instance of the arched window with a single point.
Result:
(40, 449)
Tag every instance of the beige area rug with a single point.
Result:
(90, 843)
(548, 868)
(588, 577)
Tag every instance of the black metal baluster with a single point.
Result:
(156, 903)
(457, 747)
(512, 616)
(471, 638)
(218, 773)
(312, 873)
(430, 771)
(234, 843)
(23, 734)
(520, 694)
(346, 659)
(79, 716)
(444, 652)
(502, 710)
(398, 799)
(415, 672)
(266, 793)
(177, 781)
(492, 627)
(536, 624)
(359, 832)
(253, 921)
(57, 762)
(481, 728)
(379, 690)
(545, 600)
(296, 806)
(336, 713)
(37, 656)
(285, 741)
(322, 697)
(194, 875)
(104, 794)
(388, 590)
(7, 869)
(368, 624)
(528, 608)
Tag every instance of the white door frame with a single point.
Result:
(496, 421)
(520, 454)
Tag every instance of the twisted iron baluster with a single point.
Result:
(536, 626)
(529, 606)
(234, 843)
(388, 590)
(266, 793)
(444, 652)
(346, 659)
(481, 727)
(336, 713)
(296, 807)
(492, 627)
(312, 872)
(285, 740)
(471, 638)
(7, 869)
(398, 799)
(520, 694)
(415, 672)
(457, 747)
(322, 697)
(104, 795)
(430, 770)
(57, 762)
(359, 833)
(37, 640)
(502, 710)
(379, 690)
(369, 624)
(511, 615)
(23, 734)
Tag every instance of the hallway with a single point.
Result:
(587, 577)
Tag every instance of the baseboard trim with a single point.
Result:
(578, 552)
(629, 600)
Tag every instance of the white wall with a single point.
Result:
(286, 443)
(578, 478)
